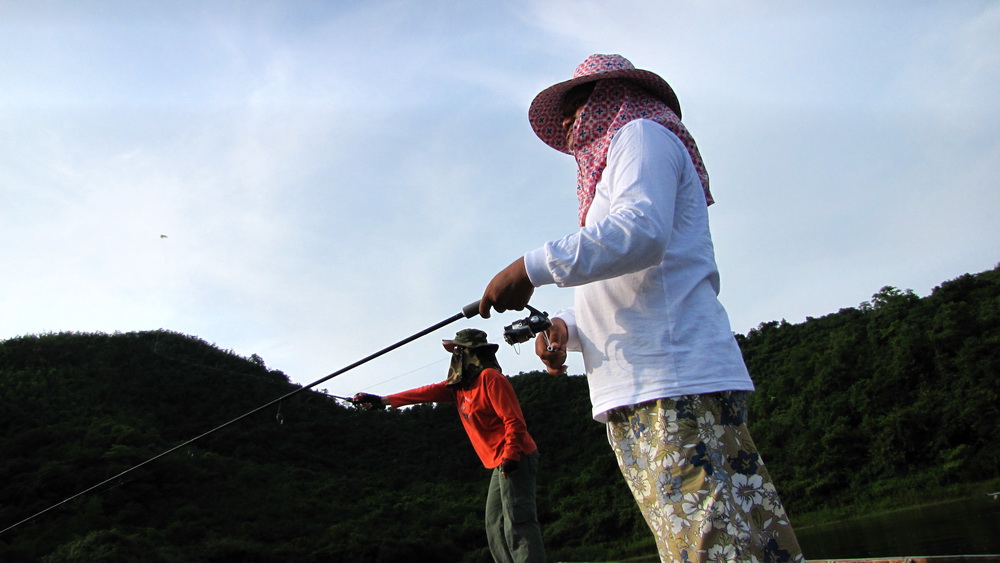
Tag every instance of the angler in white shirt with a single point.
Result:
(664, 369)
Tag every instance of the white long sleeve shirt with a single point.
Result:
(646, 313)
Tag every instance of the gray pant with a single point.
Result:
(511, 520)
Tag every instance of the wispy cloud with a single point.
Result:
(334, 177)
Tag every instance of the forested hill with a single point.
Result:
(309, 480)
(898, 396)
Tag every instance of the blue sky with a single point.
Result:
(331, 177)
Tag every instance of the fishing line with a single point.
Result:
(467, 312)
(269, 381)
(243, 374)
(404, 374)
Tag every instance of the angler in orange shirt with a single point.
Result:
(492, 418)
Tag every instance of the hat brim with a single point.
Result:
(450, 346)
(545, 112)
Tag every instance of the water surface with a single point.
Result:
(964, 527)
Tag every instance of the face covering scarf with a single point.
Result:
(612, 105)
(466, 365)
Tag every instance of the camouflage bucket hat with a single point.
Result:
(470, 338)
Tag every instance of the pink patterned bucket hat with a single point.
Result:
(545, 113)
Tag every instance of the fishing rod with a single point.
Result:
(467, 312)
(339, 398)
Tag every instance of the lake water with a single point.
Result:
(965, 527)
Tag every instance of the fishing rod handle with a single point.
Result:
(471, 310)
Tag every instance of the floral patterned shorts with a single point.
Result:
(697, 477)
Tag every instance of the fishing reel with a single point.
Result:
(527, 328)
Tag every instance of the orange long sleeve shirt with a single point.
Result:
(490, 413)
